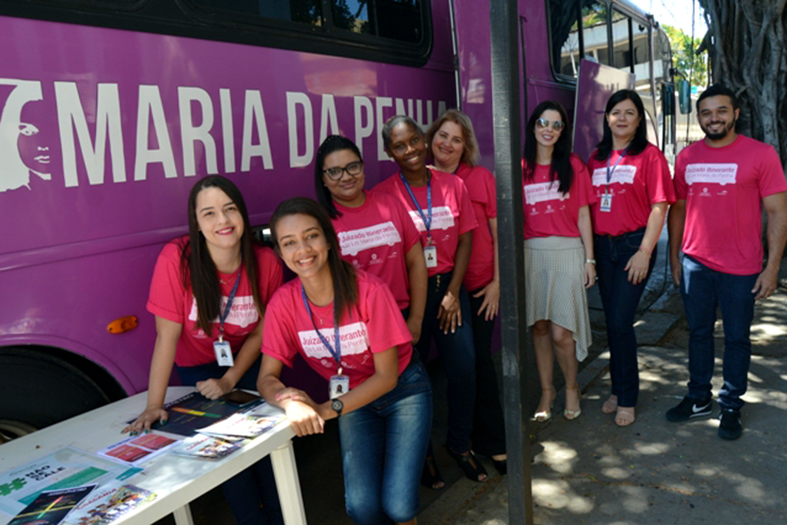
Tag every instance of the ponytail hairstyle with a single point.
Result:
(197, 268)
(394, 121)
(345, 284)
(331, 144)
(560, 170)
(640, 140)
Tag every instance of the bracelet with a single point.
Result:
(590, 261)
(643, 250)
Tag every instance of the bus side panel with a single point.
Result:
(103, 132)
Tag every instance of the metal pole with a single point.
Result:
(507, 125)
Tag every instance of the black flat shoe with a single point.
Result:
(469, 464)
(430, 476)
(501, 465)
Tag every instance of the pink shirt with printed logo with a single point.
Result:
(637, 183)
(452, 213)
(549, 212)
(373, 325)
(170, 300)
(723, 189)
(375, 237)
(481, 188)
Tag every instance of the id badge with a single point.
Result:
(338, 386)
(606, 202)
(430, 254)
(223, 353)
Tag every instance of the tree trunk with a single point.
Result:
(748, 49)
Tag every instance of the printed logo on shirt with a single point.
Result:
(354, 241)
(354, 338)
(711, 173)
(622, 175)
(442, 219)
(542, 192)
(243, 312)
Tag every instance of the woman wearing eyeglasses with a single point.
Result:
(633, 187)
(375, 232)
(559, 260)
(441, 209)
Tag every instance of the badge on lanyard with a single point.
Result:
(430, 250)
(221, 347)
(606, 198)
(339, 384)
(606, 203)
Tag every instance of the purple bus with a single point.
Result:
(111, 109)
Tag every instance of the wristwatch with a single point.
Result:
(337, 406)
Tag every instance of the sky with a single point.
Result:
(675, 13)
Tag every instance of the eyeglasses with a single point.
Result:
(544, 123)
(352, 169)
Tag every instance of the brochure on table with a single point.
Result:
(51, 507)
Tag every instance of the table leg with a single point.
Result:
(287, 484)
(183, 515)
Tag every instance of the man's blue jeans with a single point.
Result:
(620, 299)
(383, 450)
(703, 291)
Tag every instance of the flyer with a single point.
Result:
(51, 507)
(138, 449)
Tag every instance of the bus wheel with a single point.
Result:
(39, 389)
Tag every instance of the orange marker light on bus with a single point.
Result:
(123, 324)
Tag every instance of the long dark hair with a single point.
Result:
(560, 170)
(197, 267)
(640, 140)
(345, 285)
(331, 144)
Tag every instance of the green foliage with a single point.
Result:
(682, 53)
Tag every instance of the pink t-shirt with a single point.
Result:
(723, 189)
(638, 182)
(452, 213)
(172, 301)
(373, 325)
(547, 211)
(480, 184)
(375, 237)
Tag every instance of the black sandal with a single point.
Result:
(430, 476)
(469, 464)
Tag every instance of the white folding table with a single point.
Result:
(176, 480)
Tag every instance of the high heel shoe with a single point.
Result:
(573, 414)
(545, 415)
(469, 464)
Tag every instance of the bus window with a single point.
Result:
(352, 16)
(595, 36)
(621, 41)
(564, 35)
(302, 11)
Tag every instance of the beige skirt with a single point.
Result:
(555, 289)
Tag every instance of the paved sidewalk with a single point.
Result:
(591, 471)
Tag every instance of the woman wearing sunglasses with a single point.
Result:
(441, 209)
(633, 188)
(346, 325)
(559, 260)
(375, 231)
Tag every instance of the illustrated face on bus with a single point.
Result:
(623, 120)
(716, 116)
(219, 219)
(549, 127)
(342, 174)
(302, 245)
(407, 147)
(32, 142)
(448, 144)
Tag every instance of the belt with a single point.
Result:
(621, 236)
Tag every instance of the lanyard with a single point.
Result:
(611, 172)
(229, 305)
(337, 354)
(427, 222)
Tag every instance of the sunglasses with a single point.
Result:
(352, 169)
(544, 123)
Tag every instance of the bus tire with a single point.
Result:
(39, 389)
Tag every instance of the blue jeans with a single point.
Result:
(251, 494)
(620, 299)
(703, 291)
(383, 450)
(457, 353)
